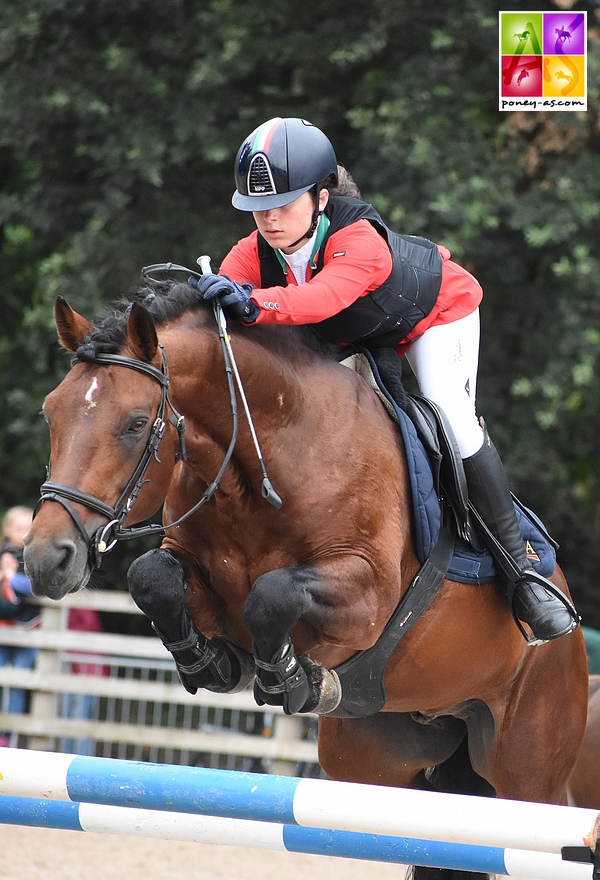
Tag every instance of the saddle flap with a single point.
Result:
(453, 481)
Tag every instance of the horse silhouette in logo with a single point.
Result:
(562, 34)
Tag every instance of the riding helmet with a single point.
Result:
(279, 161)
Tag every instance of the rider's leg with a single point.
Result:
(488, 490)
(445, 360)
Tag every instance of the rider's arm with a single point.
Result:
(241, 263)
(357, 261)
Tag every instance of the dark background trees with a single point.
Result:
(119, 122)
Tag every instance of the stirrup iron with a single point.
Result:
(532, 576)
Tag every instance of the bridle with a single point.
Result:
(106, 537)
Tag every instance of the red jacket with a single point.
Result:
(357, 261)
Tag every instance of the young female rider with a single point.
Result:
(322, 258)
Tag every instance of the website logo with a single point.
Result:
(543, 61)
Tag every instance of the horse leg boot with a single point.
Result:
(282, 680)
(157, 586)
(298, 684)
(531, 601)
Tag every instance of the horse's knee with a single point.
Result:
(157, 585)
(276, 602)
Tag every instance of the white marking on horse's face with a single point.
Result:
(90, 394)
(280, 400)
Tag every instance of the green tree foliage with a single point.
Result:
(119, 122)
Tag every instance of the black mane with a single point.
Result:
(168, 300)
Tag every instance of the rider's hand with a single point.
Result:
(234, 297)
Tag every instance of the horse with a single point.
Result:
(584, 784)
(280, 576)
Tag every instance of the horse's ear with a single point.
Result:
(71, 326)
(141, 333)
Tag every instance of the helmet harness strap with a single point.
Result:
(315, 218)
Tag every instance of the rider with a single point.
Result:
(323, 257)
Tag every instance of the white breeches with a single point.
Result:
(445, 360)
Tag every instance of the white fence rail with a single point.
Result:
(136, 708)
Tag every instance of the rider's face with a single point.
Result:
(280, 227)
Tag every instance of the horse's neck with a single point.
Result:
(200, 391)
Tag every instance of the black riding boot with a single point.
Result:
(489, 494)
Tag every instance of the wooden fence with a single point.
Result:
(140, 710)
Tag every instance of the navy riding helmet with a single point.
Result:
(279, 161)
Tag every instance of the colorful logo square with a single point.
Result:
(522, 75)
(521, 32)
(543, 60)
(564, 33)
(564, 75)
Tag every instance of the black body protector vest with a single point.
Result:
(385, 316)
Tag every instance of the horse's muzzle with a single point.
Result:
(57, 565)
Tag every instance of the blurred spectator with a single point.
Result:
(82, 705)
(14, 611)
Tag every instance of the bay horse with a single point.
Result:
(280, 579)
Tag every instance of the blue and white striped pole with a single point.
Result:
(102, 819)
(310, 803)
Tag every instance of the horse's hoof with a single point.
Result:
(332, 693)
(325, 686)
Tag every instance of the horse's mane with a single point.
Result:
(168, 300)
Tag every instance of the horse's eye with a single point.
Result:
(138, 426)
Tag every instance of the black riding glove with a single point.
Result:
(234, 297)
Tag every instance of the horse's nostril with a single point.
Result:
(65, 551)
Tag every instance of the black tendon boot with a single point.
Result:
(282, 681)
(214, 664)
(532, 598)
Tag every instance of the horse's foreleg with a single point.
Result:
(157, 586)
(276, 602)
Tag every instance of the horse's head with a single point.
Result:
(106, 419)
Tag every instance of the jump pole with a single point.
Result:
(102, 819)
(313, 803)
